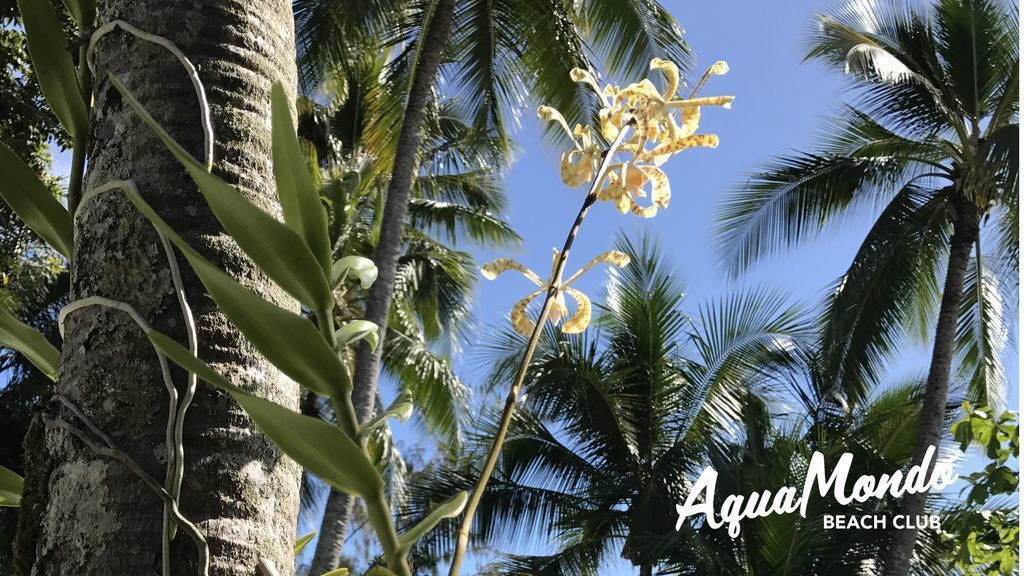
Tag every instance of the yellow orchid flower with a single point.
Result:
(578, 164)
(558, 309)
(663, 124)
(626, 183)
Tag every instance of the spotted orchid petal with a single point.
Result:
(520, 321)
(723, 101)
(551, 115)
(493, 269)
(581, 76)
(705, 140)
(671, 73)
(581, 318)
(661, 191)
(613, 257)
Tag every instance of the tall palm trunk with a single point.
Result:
(933, 410)
(86, 514)
(389, 247)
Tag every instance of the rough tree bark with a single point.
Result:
(933, 409)
(338, 512)
(87, 515)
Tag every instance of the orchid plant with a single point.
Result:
(645, 127)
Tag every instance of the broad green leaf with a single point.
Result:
(341, 572)
(375, 571)
(51, 61)
(449, 509)
(27, 340)
(317, 446)
(11, 486)
(357, 330)
(83, 11)
(300, 201)
(273, 246)
(289, 341)
(34, 203)
(302, 541)
(362, 268)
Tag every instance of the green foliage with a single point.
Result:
(10, 488)
(34, 203)
(302, 541)
(984, 538)
(30, 342)
(52, 64)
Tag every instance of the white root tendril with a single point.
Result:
(193, 75)
(176, 411)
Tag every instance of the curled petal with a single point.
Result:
(689, 118)
(661, 192)
(613, 257)
(492, 269)
(719, 68)
(550, 114)
(642, 211)
(581, 76)
(642, 89)
(581, 319)
(671, 73)
(520, 321)
(577, 168)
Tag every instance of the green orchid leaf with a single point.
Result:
(342, 572)
(11, 486)
(449, 509)
(302, 541)
(317, 446)
(287, 340)
(83, 11)
(300, 201)
(25, 339)
(357, 330)
(362, 268)
(375, 571)
(274, 247)
(34, 203)
(51, 61)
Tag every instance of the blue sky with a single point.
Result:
(780, 105)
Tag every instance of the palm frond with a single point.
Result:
(795, 197)
(982, 336)
(453, 221)
(892, 276)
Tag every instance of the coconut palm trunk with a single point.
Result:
(933, 411)
(435, 31)
(84, 513)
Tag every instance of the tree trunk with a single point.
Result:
(389, 248)
(86, 514)
(646, 570)
(933, 410)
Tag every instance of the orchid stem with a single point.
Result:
(531, 347)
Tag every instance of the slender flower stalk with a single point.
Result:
(641, 121)
(553, 292)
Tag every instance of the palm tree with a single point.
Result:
(613, 422)
(932, 136)
(456, 198)
(499, 53)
